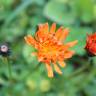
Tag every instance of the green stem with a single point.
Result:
(87, 77)
(9, 68)
(80, 70)
(10, 74)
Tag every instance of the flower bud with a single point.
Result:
(91, 45)
(4, 50)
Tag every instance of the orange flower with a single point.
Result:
(50, 47)
(91, 44)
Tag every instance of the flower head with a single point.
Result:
(91, 44)
(4, 50)
(50, 47)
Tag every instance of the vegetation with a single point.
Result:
(28, 77)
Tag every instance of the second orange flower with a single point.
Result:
(50, 46)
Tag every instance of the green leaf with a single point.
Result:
(80, 35)
(17, 11)
(12, 32)
(27, 55)
(90, 89)
(6, 3)
(59, 13)
(95, 11)
(86, 10)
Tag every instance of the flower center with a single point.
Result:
(4, 48)
(49, 47)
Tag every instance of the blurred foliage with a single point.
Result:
(21, 17)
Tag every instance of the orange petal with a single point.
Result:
(69, 54)
(63, 48)
(40, 58)
(59, 33)
(40, 27)
(45, 28)
(39, 36)
(53, 28)
(36, 36)
(64, 34)
(57, 69)
(62, 63)
(71, 44)
(30, 40)
(27, 41)
(49, 69)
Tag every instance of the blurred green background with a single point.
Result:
(21, 17)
